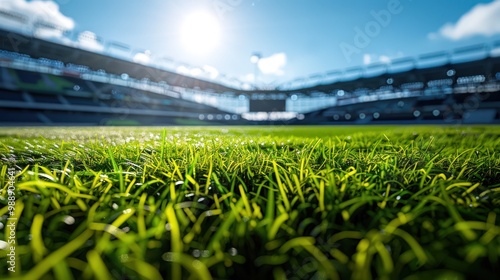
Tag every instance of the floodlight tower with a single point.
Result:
(254, 59)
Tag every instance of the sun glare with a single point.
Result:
(200, 32)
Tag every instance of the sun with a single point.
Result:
(200, 32)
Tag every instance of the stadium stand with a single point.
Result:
(36, 102)
(11, 95)
(44, 83)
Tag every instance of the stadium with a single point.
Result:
(45, 83)
(114, 167)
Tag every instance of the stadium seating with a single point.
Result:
(19, 117)
(46, 98)
(43, 98)
(11, 95)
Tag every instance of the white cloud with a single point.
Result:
(48, 33)
(211, 71)
(367, 58)
(248, 78)
(89, 41)
(195, 72)
(385, 59)
(42, 18)
(142, 57)
(182, 70)
(495, 51)
(273, 64)
(206, 71)
(482, 19)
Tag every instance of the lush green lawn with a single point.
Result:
(251, 202)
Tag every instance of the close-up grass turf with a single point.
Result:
(359, 202)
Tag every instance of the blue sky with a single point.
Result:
(296, 38)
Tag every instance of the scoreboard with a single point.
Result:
(267, 105)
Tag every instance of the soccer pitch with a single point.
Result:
(357, 202)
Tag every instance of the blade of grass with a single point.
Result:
(97, 265)
(59, 255)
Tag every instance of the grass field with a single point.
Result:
(416, 202)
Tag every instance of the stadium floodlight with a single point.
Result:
(254, 59)
(256, 56)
